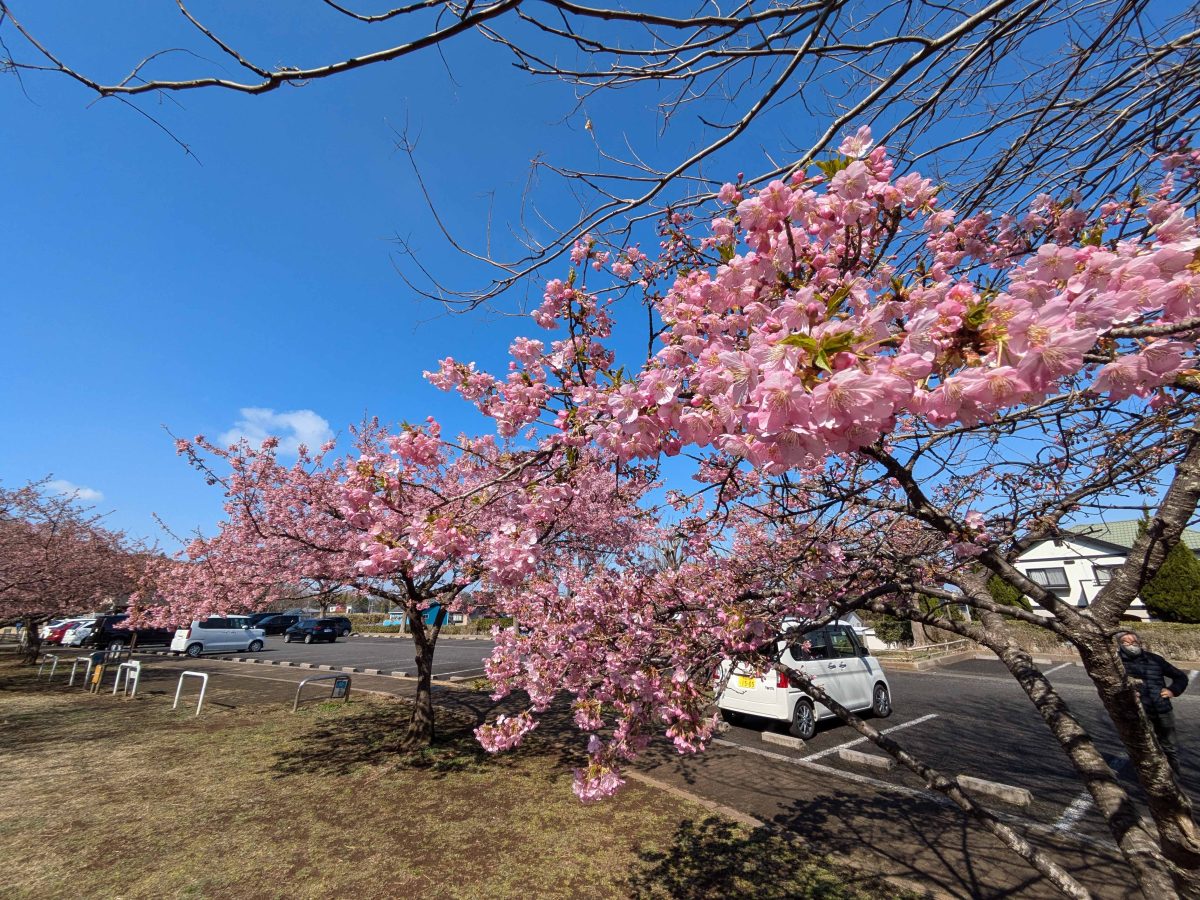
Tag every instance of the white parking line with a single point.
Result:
(459, 671)
(1192, 675)
(863, 740)
(1056, 668)
(806, 763)
(1073, 813)
(936, 797)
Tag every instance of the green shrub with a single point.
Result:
(1005, 594)
(1173, 593)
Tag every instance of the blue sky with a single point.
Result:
(146, 290)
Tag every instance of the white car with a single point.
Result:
(73, 637)
(217, 633)
(833, 657)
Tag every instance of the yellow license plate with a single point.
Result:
(745, 681)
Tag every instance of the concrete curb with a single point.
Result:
(454, 681)
(1005, 793)
(870, 760)
(783, 740)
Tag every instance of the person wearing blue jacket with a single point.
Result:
(1153, 674)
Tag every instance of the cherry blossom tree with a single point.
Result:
(57, 559)
(902, 427)
(410, 518)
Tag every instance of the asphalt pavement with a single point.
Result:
(452, 656)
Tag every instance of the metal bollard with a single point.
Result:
(340, 691)
(203, 688)
(86, 675)
(130, 672)
(53, 665)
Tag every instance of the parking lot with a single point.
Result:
(454, 657)
(968, 718)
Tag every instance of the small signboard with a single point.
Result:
(341, 687)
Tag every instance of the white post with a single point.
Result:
(53, 665)
(203, 687)
(131, 672)
(86, 675)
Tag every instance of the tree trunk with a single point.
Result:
(31, 640)
(1169, 805)
(421, 727)
(1154, 874)
(935, 780)
(920, 639)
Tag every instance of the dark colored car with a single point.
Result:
(310, 630)
(257, 619)
(110, 630)
(343, 625)
(275, 624)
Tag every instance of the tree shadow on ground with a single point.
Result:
(374, 737)
(715, 858)
(920, 838)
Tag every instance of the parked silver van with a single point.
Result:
(217, 633)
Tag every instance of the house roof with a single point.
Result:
(1123, 534)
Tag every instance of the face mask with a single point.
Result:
(1131, 650)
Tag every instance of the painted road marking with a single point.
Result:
(863, 740)
(994, 679)
(1192, 675)
(460, 671)
(936, 797)
(1056, 668)
(1073, 813)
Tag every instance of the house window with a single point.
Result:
(1054, 580)
(1104, 574)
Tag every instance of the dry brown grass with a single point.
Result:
(101, 797)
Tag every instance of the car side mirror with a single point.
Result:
(863, 651)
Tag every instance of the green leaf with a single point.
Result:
(830, 167)
(836, 343)
(803, 341)
(835, 301)
(726, 251)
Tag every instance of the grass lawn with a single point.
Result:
(101, 797)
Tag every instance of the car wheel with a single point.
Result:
(881, 702)
(804, 720)
(345, 632)
(255, 646)
(308, 639)
(194, 650)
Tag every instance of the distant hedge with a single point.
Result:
(1170, 639)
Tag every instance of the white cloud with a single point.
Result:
(66, 488)
(301, 426)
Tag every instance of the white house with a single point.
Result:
(1079, 564)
